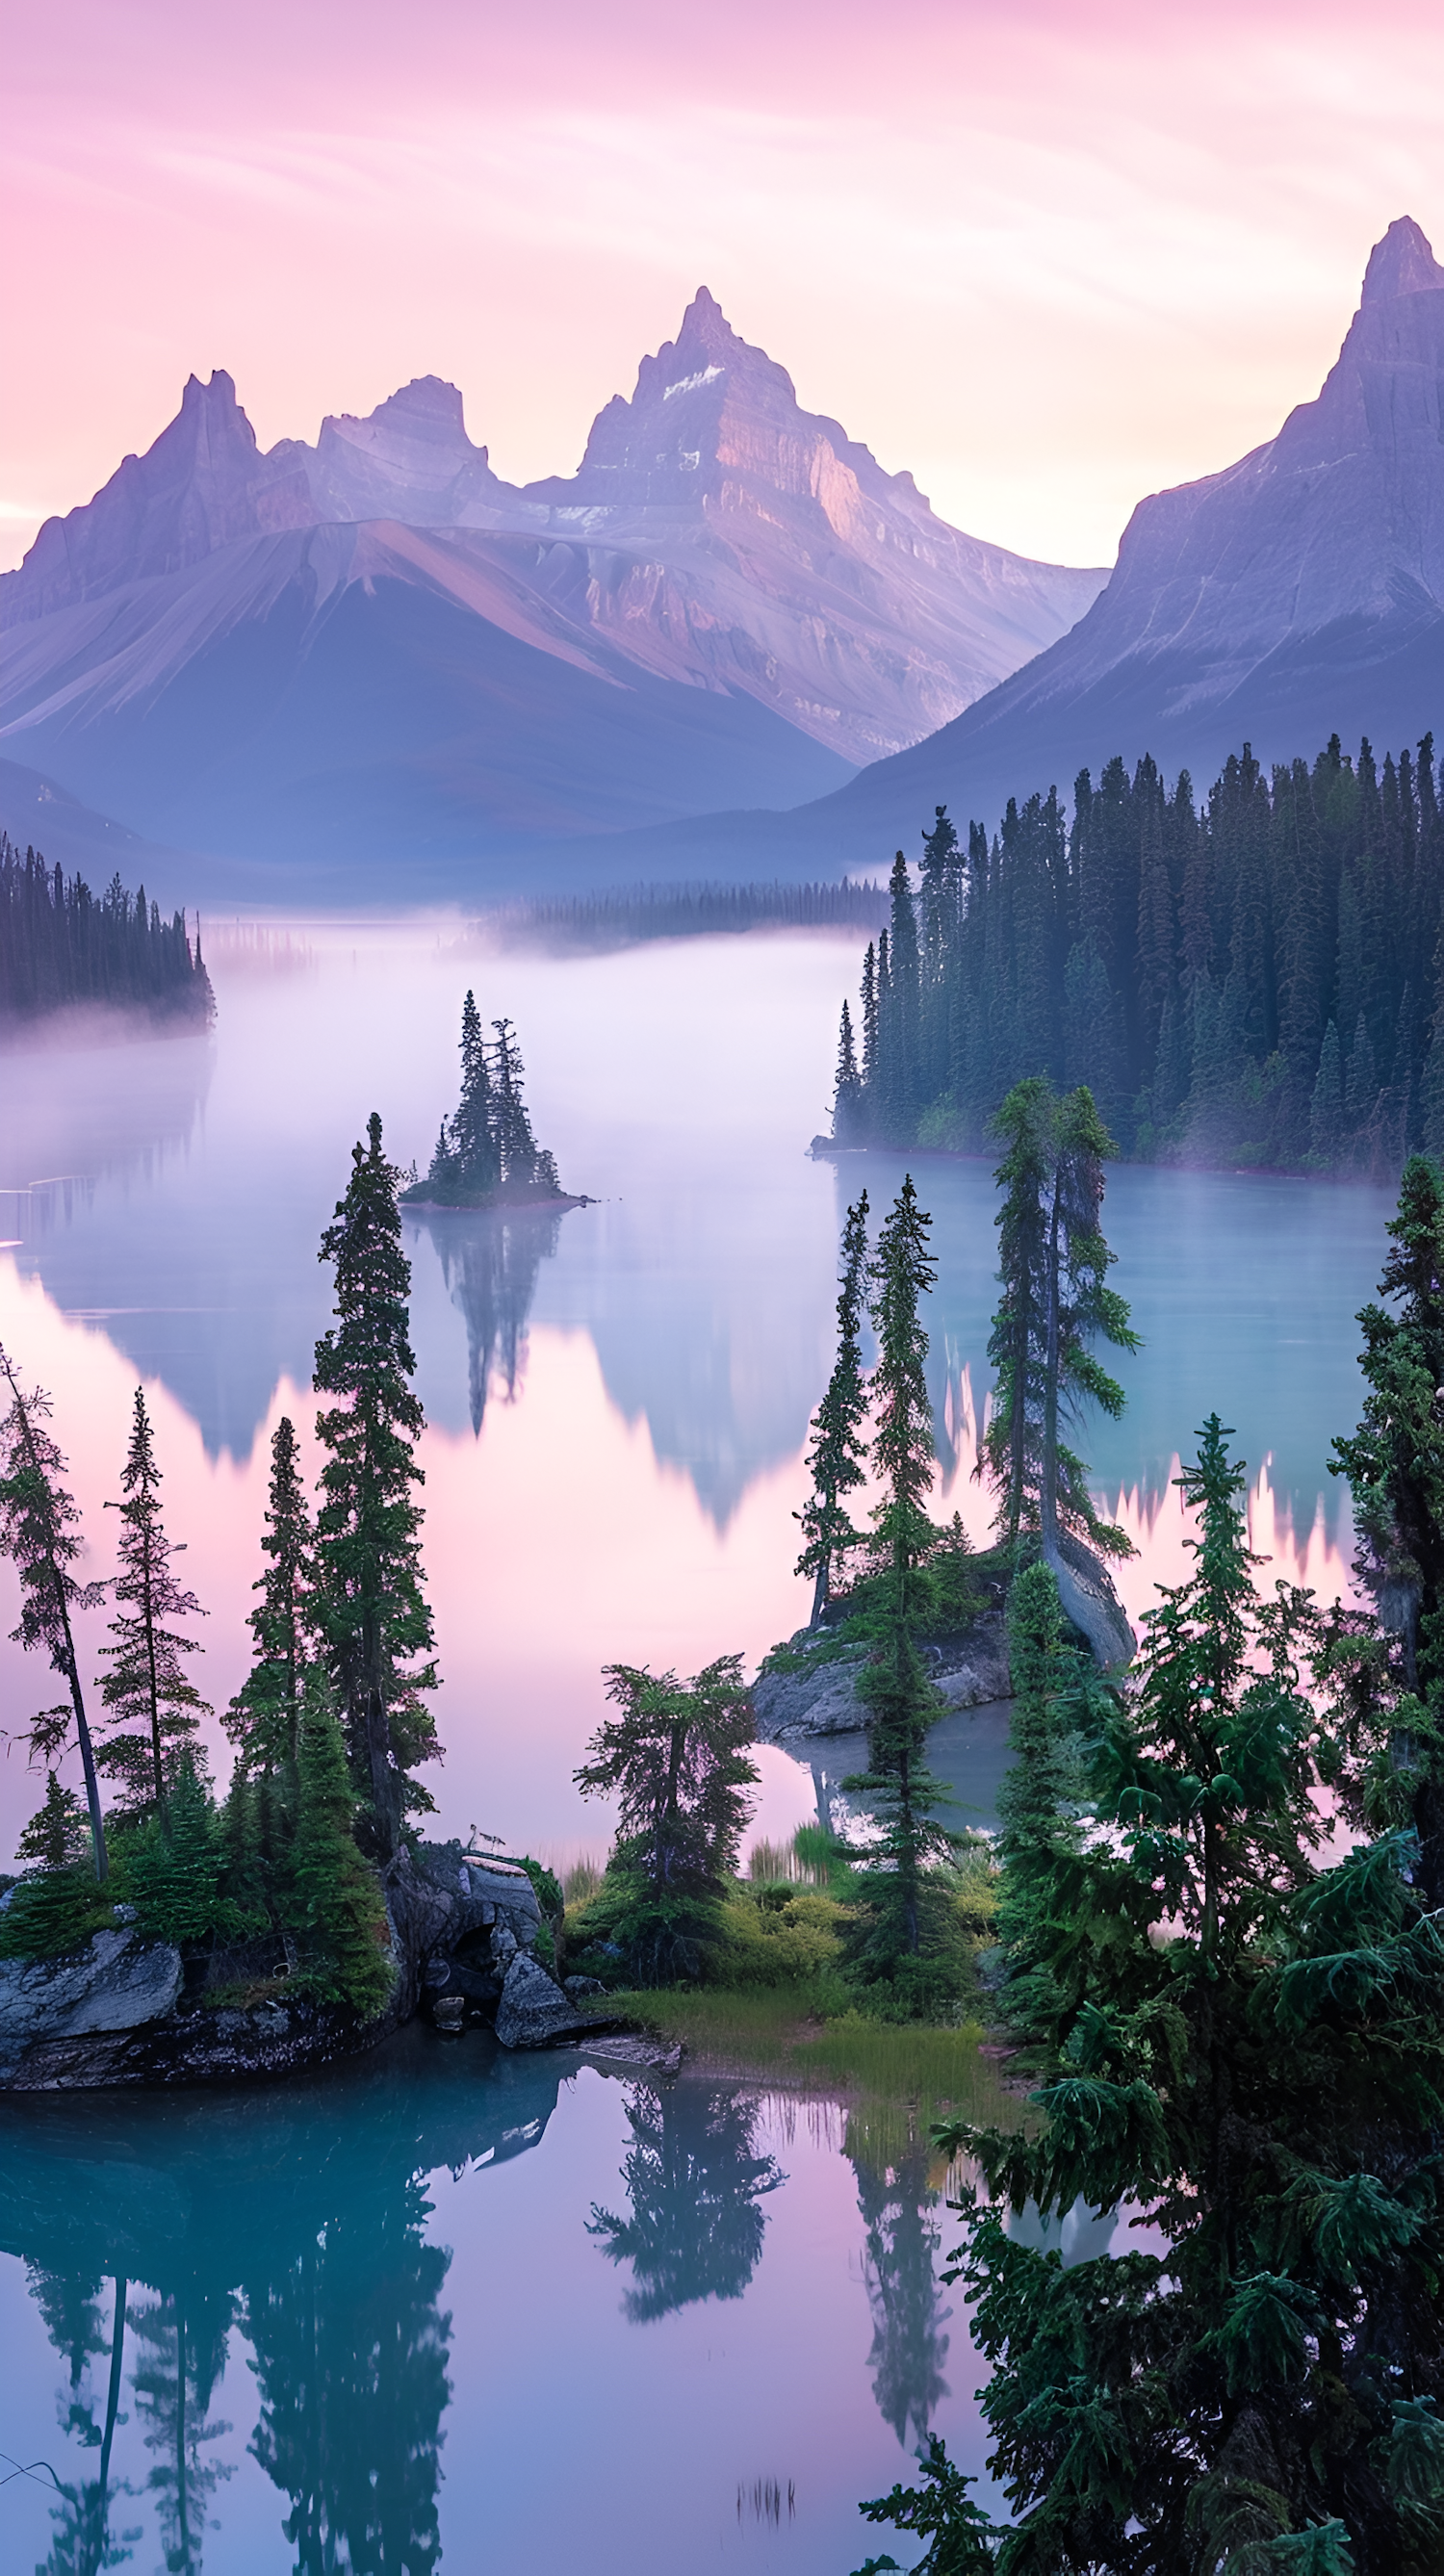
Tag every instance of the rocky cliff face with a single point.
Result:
(224, 644)
(1298, 593)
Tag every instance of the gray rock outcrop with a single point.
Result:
(116, 1983)
(821, 1698)
(533, 2011)
(1085, 1590)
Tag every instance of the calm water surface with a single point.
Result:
(460, 2310)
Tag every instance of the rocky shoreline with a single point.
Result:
(127, 2012)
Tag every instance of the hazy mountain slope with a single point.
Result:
(729, 605)
(1298, 593)
(363, 721)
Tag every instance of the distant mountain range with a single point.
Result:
(371, 665)
(1299, 593)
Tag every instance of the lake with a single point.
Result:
(378, 2322)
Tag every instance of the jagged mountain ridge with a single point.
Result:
(1298, 593)
(730, 602)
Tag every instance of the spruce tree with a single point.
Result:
(838, 1451)
(371, 1608)
(675, 1759)
(1394, 1463)
(56, 1905)
(848, 1118)
(263, 1718)
(175, 1870)
(472, 1130)
(333, 1901)
(1326, 1108)
(1247, 2052)
(1056, 1303)
(155, 1710)
(901, 1702)
(40, 1533)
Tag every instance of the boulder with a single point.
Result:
(116, 1983)
(1085, 1590)
(822, 1699)
(533, 2011)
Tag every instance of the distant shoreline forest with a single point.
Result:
(627, 916)
(1258, 982)
(63, 948)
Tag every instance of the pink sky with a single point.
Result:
(1049, 257)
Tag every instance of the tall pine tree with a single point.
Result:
(901, 1701)
(40, 1533)
(371, 1605)
(155, 1709)
(264, 1717)
(838, 1450)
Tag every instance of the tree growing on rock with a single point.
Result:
(371, 1607)
(40, 1533)
(154, 1707)
(57, 1903)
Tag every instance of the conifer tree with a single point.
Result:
(175, 1870)
(371, 1608)
(472, 1132)
(155, 1709)
(263, 1718)
(847, 1101)
(838, 1451)
(1326, 1107)
(1394, 1463)
(1247, 2051)
(1037, 1833)
(40, 1533)
(675, 1758)
(1054, 1263)
(901, 1701)
(334, 1901)
(54, 1907)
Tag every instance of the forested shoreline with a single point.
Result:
(1253, 982)
(64, 947)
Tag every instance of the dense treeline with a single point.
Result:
(1259, 982)
(628, 915)
(61, 945)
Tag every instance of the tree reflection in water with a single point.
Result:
(296, 2218)
(909, 2346)
(490, 1260)
(695, 2181)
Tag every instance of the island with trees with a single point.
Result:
(486, 1155)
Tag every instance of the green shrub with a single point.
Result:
(772, 1944)
(630, 1934)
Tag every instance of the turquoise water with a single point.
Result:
(377, 2324)
(457, 2309)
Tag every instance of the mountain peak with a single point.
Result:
(705, 325)
(1403, 263)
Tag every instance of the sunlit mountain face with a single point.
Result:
(372, 654)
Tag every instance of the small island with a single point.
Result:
(486, 1155)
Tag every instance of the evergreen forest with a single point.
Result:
(62, 946)
(1251, 981)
